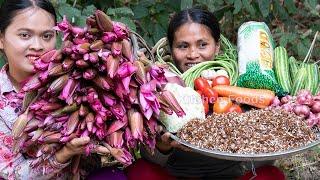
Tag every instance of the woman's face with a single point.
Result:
(192, 44)
(29, 35)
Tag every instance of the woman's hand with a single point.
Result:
(165, 144)
(76, 147)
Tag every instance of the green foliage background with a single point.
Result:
(293, 22)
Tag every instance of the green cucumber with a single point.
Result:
(281, 68)
(312, 78)
(293, 66)
(299, 81)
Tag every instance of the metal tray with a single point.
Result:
(247, 157)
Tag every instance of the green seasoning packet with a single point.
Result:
(256, 78)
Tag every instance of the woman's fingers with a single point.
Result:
(78, 142)
(101, 150)
(166, 138)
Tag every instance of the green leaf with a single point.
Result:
(119, 12)
(159, 8)
(302, 49)
(148, 39)
(146, 3)
(81, 21)
(163, 19)
(159, 32)
(2, 60)
(248, 7)
(313, 3)
(140, 12)
(289, 4)
(89, 10)
(264, 6)
(208, 3)
(62, 1)
(186, 4)
(128, 22)
(231, 1)
(59, 40)
(280, 11)
(286, 38)
(237, 6)
(69, 11)
(146, 26)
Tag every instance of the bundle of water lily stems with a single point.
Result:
(94, 86)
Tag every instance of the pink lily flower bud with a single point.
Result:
(89, 74)
(116, 48)
(127, 50)
(78, 41)
(72, 123)
(39, 65)
(118, 110)
(69, 89)
(32, 84)
(140, 75)
(108, 37)
(58, 84)
(116, 125)
(103, 21)
(82, 48)
(104, 54)
(81, 63)
(43, 76)
(64, 25)
(93, 57)
(148, 100)
(173, 103)
(97, 45)
(136, 123)
(131, 142)
(120, 30)
(90, 120)
(115, 139)
(121, 154)
(157, 73)
(112, 65)
(101, 133)
(77, 31)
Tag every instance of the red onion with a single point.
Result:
(286, 99)
(301, 110)
(288, 107)
(275, 101)
(315, 108)
(303, 93)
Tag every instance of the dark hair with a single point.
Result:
(196, 15)
(9, 8)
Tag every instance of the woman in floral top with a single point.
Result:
(26, 32)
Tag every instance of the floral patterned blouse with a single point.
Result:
(15, 165)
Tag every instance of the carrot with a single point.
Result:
(259, 98)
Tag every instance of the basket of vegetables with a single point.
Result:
(264, 107)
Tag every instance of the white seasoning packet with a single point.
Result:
(255, 43)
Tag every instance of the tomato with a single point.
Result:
(235, 108)
(220, 80)
(210, 94)
(222, 105)
(205, 105)
(201, 83)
